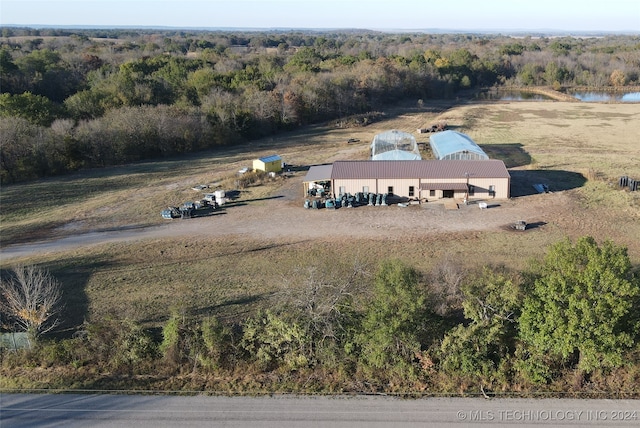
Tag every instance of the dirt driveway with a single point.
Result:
(283, 216)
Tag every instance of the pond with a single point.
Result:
(597, 96)
(586, 96)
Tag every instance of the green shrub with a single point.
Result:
(273, 340)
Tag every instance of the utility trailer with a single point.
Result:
(190, 210)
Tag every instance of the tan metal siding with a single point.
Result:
(379, 175)
(400, 186)
(482, 187)
(355, 186)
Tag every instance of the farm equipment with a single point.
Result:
(171, 212)
(520, 225)
(190, 210)
(197, 209)
(438, 127)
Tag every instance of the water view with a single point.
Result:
(586, 96)
(592, 96)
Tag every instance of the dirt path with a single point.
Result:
(283, 216)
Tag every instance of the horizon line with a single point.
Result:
(386, 30)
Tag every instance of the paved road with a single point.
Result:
(157, 411)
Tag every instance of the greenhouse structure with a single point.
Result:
(452, 145)
(394, 145)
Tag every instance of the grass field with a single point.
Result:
(238, 262)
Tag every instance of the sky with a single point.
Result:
(465, 15)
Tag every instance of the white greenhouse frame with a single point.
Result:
(395, 145)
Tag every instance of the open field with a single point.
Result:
(121, 258)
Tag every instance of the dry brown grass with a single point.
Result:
(234, 263)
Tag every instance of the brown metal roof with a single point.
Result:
(443, 186)
(425, 169)
(319, 173)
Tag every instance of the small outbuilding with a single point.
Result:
(453, 145)
(271, 163)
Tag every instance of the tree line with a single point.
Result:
(570, 323)
(91, 98)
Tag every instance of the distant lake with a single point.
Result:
(596, 96)
(586, 96)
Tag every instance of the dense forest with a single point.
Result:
(74, 99)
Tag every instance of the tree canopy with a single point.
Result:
(248, 85)
(392, 324)
(579, 307)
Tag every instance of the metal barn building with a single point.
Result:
(455, 145)
(425, 179)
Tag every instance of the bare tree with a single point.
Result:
(30, 300)
(323, 297)
(445, 281)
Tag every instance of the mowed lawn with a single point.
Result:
(234, 276)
